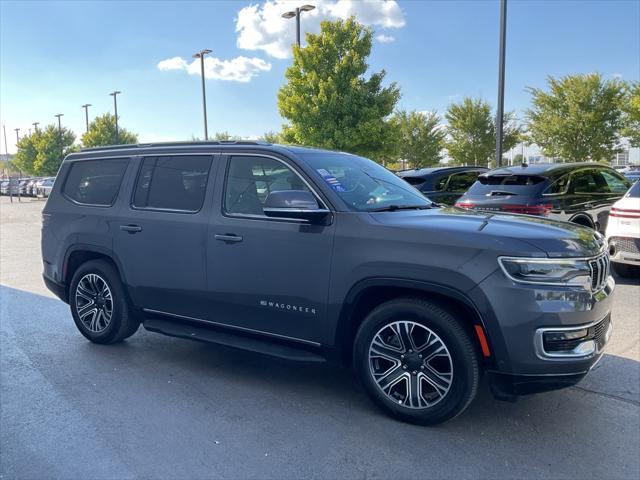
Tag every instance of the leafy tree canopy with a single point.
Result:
(419, 138)
(52, 146)
(327, 98)
(578, 117)
(472, 132)
(102, 132)
(631, 109)
(27, 150)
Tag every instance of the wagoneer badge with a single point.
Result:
(288, 306)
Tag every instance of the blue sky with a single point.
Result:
(56, 56)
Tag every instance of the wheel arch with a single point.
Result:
(77, 255)
(369, 293)
(583, 219)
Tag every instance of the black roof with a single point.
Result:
(420, 172)
(543, 169)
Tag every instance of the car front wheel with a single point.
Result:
(416, 361)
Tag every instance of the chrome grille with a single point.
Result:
(599, 271)
(627, 245)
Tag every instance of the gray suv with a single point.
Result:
(318, 256)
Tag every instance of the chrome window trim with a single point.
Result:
(233, 327)
(252, 216)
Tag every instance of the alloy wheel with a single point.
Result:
(94, 303)
(410, 364)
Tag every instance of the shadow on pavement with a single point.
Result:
(186, 395)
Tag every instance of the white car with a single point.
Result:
(623, 233)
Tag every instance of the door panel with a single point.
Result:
(265, 274)
(161, 236)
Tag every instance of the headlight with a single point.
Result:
(562, 272)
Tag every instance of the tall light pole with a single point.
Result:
(501, 61)
(201, 55)
(60, 115)
(296, 13)
(86, 114)
(17, 130)
(35, 125)
(115, 94)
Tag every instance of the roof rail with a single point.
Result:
(175, 144)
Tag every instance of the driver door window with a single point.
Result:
(250, 180)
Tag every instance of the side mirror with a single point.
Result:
(296, 204)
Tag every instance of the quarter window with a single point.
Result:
(250, 180)
(95, 182)
(460, 182)
(172, 183)
(615, 183)
(558, 187)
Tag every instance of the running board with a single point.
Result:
(176, 328)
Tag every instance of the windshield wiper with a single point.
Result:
(393, 208)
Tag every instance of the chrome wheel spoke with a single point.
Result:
(439, 381)
(379, 348)
(414, 377)
(93, 302)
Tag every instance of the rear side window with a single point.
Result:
(460, 182)
(414, 180)
(507, 185)
(95, 182)
(172, 183)
(615, 183)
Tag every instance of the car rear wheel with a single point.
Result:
(416, 361)
(99, 305)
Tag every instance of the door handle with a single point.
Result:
(229, 238)
(588, 205)
(131, 228)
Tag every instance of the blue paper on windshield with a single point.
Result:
(332, 181)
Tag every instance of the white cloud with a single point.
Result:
(382, 38)
(617, 76)
(239, 69)
(261, 26)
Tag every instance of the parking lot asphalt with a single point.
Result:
(159, 407)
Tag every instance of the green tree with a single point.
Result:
(578, 118)
(472, 132)
(272, 137)
(102, 132)
(419, 138)
(224, 137)
(631, 109)
(25, 157)
(327, 98)
(52, 146)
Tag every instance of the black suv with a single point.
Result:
(442, 184)
(320, 256)
(581, 193)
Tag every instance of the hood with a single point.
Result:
(550, 237)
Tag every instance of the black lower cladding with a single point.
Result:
(506, 386)
(567, 341)
(58, 289)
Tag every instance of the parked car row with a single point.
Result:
(581, 193)
(27, 187)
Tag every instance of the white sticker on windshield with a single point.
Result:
(332, 181)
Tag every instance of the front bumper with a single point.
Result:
(533, 354)
(58, 289)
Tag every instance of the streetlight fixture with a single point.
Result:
(86, 113)
(35, 125)
(114, 94)
(296, 13)
(17, 130)
(201, 55)
(59, 121)
(501, 61)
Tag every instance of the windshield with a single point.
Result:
(363, 184)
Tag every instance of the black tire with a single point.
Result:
(121, 324)
(625, 270)
(462, 359)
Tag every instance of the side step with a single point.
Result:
(176, 328)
